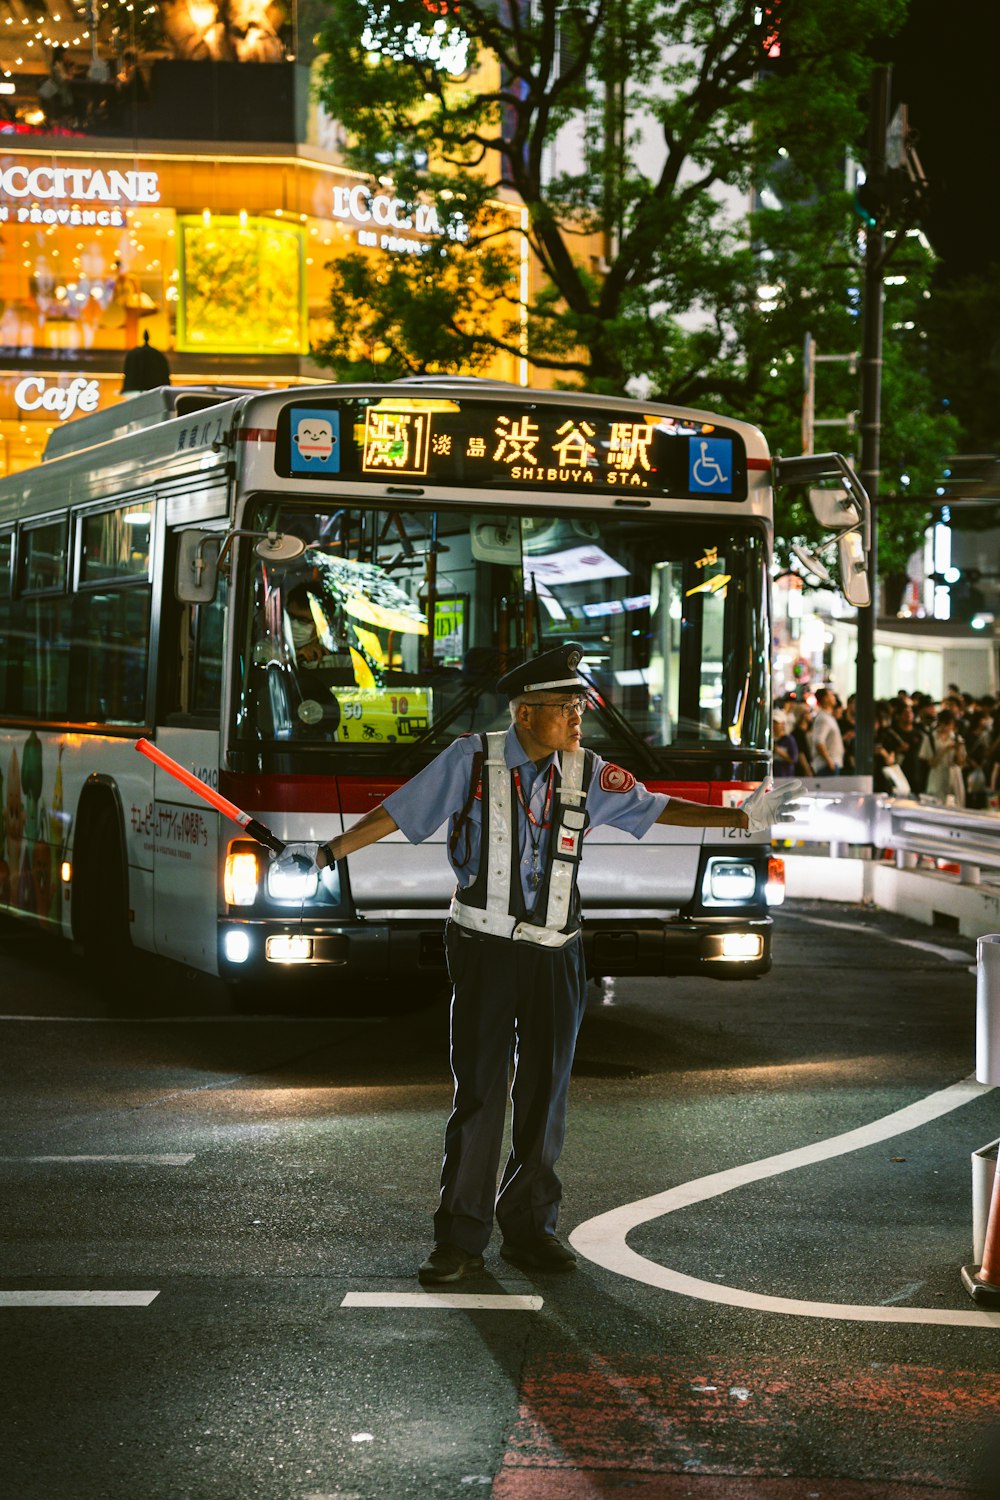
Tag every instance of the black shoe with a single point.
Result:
(448, 1263)
(545, 1253)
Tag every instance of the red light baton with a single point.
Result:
(221, 804)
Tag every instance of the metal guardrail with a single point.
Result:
(842, 816)
(969, 839)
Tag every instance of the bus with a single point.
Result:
(303, 595)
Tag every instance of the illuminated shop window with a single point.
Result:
(76, 287)
(242, 286)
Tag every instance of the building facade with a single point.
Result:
(200, 209)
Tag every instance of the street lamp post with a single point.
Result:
(871, 411)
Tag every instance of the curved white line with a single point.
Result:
(602, 1239)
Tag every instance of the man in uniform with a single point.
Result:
(519, 803)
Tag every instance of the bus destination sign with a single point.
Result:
(523, 445)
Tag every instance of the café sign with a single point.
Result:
(35, 393)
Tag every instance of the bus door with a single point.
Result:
(186, 832)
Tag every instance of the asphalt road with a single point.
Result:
(795, 1330)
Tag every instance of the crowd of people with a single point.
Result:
(80, 95)
(948, 750)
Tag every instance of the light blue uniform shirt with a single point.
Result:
(440, 791)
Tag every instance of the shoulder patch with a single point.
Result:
(614, 779)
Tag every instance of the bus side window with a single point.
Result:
(191, 650)
(110, 655)
(38, 639)
(207, 642)
(111, 616)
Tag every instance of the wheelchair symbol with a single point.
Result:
(706, 471)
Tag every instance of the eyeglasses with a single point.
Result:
(566, 706)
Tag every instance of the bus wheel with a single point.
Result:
(100, 891)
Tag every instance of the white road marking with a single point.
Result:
(207, 1020)
(153, 1161)
(454, 1301)
(76, 1299)
(953, 955)
(602, 1239)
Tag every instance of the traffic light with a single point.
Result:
(880, 196)
(868, 201)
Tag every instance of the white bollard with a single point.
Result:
(988, 1009)
(984, 1166)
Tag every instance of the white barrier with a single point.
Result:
(988, 1009)
(984, 1167)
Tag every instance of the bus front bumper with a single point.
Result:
(730, 946)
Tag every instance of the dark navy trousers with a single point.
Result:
(512, 1002)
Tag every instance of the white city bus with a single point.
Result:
(303, 596)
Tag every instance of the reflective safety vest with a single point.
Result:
(494, 902)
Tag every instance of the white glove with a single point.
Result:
(771, 804)
(297, 859)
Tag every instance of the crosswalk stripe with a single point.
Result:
(76, 1299)
(452, 1301)
(151, 1161)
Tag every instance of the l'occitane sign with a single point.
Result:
(82, 184)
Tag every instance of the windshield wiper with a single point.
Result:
(466, 699)
(615, 720)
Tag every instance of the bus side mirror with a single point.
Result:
(854, 570)
(813, 565)
(835, 509)
(200, 554)
(845, 511)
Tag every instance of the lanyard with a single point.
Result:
(535, 876)
(547, 808)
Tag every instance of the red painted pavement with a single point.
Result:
(621, 1484)
(596, 1426)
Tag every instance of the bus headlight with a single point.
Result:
(286, 883)
(236, 945)
(728, 881)
(289, 948)
(741, 947)
(239, 882)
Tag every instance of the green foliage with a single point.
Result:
(652, 264)
(395, 317)
(963, 325)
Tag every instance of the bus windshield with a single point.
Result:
(384, 641)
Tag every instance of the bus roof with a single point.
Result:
(144, 409)
(171, 436)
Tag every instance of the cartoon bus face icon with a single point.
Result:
(314, 438)
(314, 446)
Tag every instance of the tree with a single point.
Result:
(663, 118)
(963, 324)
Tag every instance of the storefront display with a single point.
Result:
(241, 287)
(221, 260)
